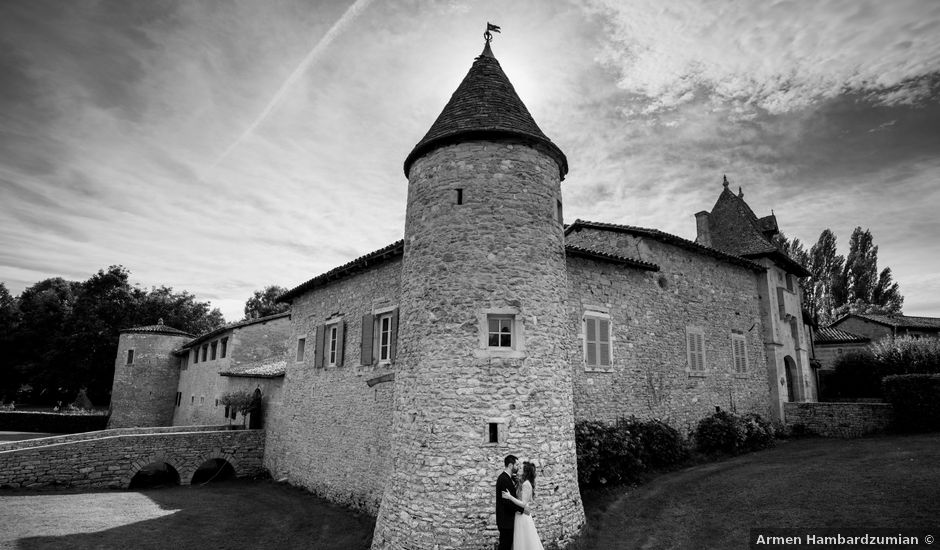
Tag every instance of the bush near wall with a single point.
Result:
(916, 401)
(611, 454)
(49, 422)
(727, 433)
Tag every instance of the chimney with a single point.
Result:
(703, 234)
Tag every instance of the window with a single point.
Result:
(130, 357)
(499, 331)
(301, 344)
(695, 347)
(224, 348)
(215, 346)
(493, 432)
(789, 282)
(202, 399)
(192, 399)
(195, 356)
(330, 341)
(596, 340)
(558, 212)
(459, 196)
(739, 352)
(179, 398)
(379, 336)
(205, 351)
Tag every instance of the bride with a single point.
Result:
(525, 537)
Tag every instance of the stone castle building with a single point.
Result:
(398, 382)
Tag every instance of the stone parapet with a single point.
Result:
(840, 419)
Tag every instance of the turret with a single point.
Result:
(146, 376)
(483, 355)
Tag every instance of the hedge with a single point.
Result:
(916, 401)
(50, 422)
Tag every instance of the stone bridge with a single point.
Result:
(111, 458)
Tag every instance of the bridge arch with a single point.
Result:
(212, 455)
(145, 464)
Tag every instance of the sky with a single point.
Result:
(219, 147)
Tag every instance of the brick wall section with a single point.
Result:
(840, 419)
(113, 460)
(328, 430)
(144, 393)
(502, 248)
(650, 311)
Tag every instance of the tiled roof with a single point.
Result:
(159, 328)
(604, 256)
(230, 326)
(485, 106)
(830, 335)
(735, 229)
(897, 321)
(273, 369)
(666, 238)
(361, 263)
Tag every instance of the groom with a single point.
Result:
(505, 508)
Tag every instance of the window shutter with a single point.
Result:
(591, 340)
(603, 342)
(368, 322)
(321, 338)
(340, 343)
(393, 344)
(700, 338)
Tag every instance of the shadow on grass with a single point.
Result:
(236, 514)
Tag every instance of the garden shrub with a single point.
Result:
(859, 374)
(856, 374)
(727, 433)
(611, 454)
(916, 401)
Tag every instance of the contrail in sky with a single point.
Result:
(348, 17)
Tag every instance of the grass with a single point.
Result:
(886, 482)
(237, 514)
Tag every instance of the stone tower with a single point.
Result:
(146, 376)
(483, 358)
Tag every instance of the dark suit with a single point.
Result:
(505, 510)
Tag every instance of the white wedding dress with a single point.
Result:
(524, 535)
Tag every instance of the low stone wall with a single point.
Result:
(840, 419)
(111, 461)
(51, 422)
(72, 438)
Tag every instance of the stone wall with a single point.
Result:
(868, 329)
(144, 392)
(828, 354)
(112, 460)
(840, 419)
(329, 429)
(649, 314)
(498, 251)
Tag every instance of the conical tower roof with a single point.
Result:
(485, 106)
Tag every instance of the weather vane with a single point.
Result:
(490, 27)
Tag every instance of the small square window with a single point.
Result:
(499, 331)
(493, 432)
(130, 357)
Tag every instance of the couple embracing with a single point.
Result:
(514, 500)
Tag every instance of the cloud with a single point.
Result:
(775, 56)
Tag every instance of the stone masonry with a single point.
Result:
(111, 458)
(501, 251)
(650, 312)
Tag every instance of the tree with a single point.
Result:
(176, 309)
(10, 378)
(861, 266)
(239, 400)
(887, 294)
(795, 250)
(825, 266)
(262, 303)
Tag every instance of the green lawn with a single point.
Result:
(890, 482)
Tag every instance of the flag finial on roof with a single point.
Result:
(490, 28)
(725, 180)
